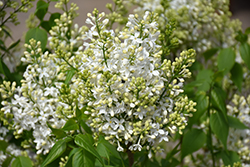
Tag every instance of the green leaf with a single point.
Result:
(247, 31)
(202, 103)
(101, 149)
(109, 147)
(193, 140)
(236, 123)
(218, 76)
(41, 9)
(83, 158)
(165, 162)
(52, 19)
(3, 48)
(241, 37)
(5, 70)
(70, 125)
(219, 126)
(45, 25)
(3, 145)
(86, 141)
(205, 77)
(58, 132)
(21, 161)
(245, 53)
(37, 34)
(86, 128)
(237, 75)
(56, 151)
(7, 162)
(218, 100)
(229, 157)
(169, 163)
(226, 60)
(79, 112)
(14, 44)
(16, 77)
(171, 153)
(71, 154)
(105, 149)
(209, 53)
(69, 76)
(1, 42)
(201, 107)
(7, 32)
(196, 66)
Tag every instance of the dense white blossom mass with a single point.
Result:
(130, 95)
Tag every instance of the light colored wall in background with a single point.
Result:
(244, 17)
(85, 6)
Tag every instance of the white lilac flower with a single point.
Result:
(124, 83)
(130, 94)
(119, 148)
(36, 105)
(239, 139)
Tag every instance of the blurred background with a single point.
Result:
(239, 8)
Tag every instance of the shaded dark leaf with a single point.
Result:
(56, 151)
(229, 157)
(45, 25)
(245, 53)
(21, 161)
(237, 75)
(210, 53)
(52, 19)
(193, 140)
(3, 145)
(41, 9)
(86, 141)
(220, 127)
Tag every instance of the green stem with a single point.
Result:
(209, 135)
(103, 47)
(69, 64)
(12, 14)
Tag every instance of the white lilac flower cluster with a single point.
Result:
(33, 105)
(201, 24)
(240, 139)
(131, 97)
